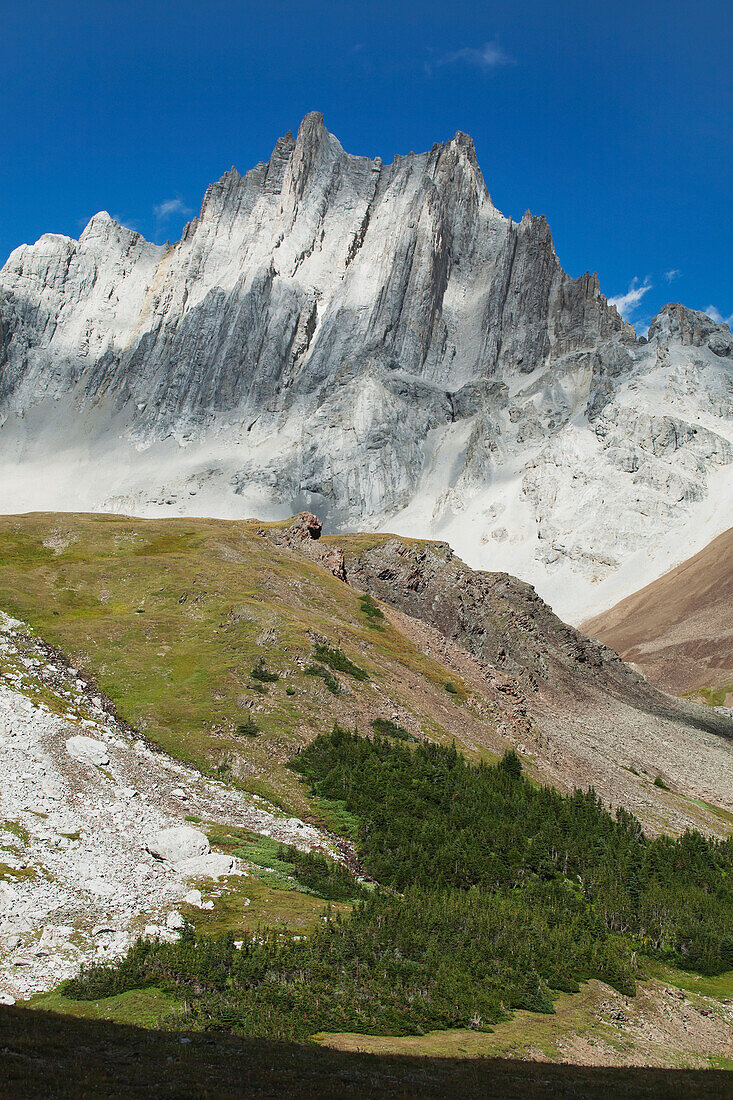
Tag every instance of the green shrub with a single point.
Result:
(248, 728)
(264, 675)
(374, 614)
(322, 876)
(387, 728)
(330, 681)
(659, 782)
(336, 659)
(451, 688)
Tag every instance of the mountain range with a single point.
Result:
(378, 343)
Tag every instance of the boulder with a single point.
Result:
(97, 886)
(87, 750)
(179, 844)
(208, 866)
(194, 898)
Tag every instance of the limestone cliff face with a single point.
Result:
(375, 341)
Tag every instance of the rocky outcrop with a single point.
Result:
(375, 342)
(503, 621)
(303, 535)
(306, 526)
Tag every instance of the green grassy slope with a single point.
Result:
(170, 617)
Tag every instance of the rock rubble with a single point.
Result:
(94, 846)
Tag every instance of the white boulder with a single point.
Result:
(87, 750)
(209, 866)
(179, 844)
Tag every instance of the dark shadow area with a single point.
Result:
(47, 1056)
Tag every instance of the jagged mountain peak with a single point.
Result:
(378, 342)
(312, 128)
(691, 327)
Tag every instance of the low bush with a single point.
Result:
(373, 612)
(387, 728)
(336, 659)
(264, 675)
(329, 680)
(248, 728)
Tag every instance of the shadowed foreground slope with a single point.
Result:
(46, 1055)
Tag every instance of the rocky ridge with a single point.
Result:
(376, 342)
(564, 700)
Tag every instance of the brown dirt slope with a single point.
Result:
(679, 630)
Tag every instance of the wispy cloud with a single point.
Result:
(488, 56)
(672, 274)
(171, 208)
(128, 223)
(718, 316)
(628, 303)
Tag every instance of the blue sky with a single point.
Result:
(613, 120)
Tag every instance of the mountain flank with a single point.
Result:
(678, 630)
(389, 812)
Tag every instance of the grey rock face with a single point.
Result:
(374, 341)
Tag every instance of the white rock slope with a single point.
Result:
(94, 845)
(378, 343)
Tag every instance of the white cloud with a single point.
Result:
(488, 56)
(718, 316)
(673, 274)
(627, 303)
(128, 223)
(171, 207)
